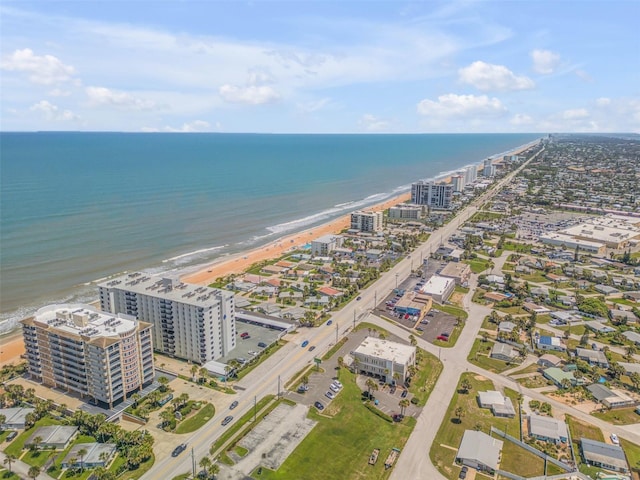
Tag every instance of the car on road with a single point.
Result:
(329, 322)
(358, 298)
(319, 406)
(305, 343)
(227, 420)
(442, 338)
(312, 348)
(330, 395)
(420, 329)
(262, 345)
(179, 449)
(233, 405)
(614, 439)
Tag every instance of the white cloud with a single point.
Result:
(575, 114)
(521, 119)
(603, 101)
(188, 127)
(545, 61)
(42, 69)
(584, 76)
(488, 77)
(251, 95)
(371, 123)
(101, 96)
(452, 105)
(53, 112)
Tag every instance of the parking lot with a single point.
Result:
(248, 347)
(438, 323)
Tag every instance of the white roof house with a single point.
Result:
(547, 428)
(479, 450)
(632, 336)
(500, 405)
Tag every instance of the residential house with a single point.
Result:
(604, 455)
(97, 455)
(610, 398)
(623, 316)
(598, 327)
(547, 429)
(594, 357)
(549, 360)
(14, 418)
(605, 289)
(53, 437)
(632, 336)
(545, 342)
(535, 308)
(505, 352)
(500, 405)
(480, 451)
(506, 327)
(558, 375)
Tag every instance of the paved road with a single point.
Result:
(21, 469)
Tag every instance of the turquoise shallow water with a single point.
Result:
(76, 207)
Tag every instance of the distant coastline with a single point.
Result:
(230, 246)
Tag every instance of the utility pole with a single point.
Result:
(354, 318)
(278, 386)
(254, 409)
(375, 299)
(336, 333)
(193, 463)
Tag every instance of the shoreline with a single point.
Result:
(10, 350)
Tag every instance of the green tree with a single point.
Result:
(9, 459)
(459, 413)
(34, 471)
(404, 403)
(82, 452)
(465, 385)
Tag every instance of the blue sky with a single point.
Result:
(320, 67)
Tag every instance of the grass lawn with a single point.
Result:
(453, 338)
(537, 277)
(37, 458)
(530, 369)
(335, 348)
(317, 455)
(428, 371)
(18, 443)
(461, 289)
(489, 325)
(515, 310)
(55, 469)
(517, 459)
(478, 265)
(6, 475)
(619, 416)
(452, 310)
(451, 431)
(196, 421)
(632, 451)
(479, 355)
(575, 329)
(536, 381)
(580, 430)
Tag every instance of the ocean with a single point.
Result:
(78, 207)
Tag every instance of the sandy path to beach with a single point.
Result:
(240, 262)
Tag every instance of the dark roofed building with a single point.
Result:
(603, 455)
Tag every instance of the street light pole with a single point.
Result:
(336, 333)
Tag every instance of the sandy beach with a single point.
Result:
(239, 263)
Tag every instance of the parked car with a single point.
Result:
(614, 439)
(404, 394)
(179, 449)
(330, 395)
(305, 343)
(319, 406)
(244, 334)
(303, 388)
(443, 338)
(233, 405)
(420, 329)
(262, 345)
(337, 383)
(11, 436)
(358, 298)
(227, 420)
(445, 334)
(392, 390)
(334, 388)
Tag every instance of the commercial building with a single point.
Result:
(366, 221)
(190, 322)
(323, 246)
(613, 234)
(480, 451)
(547, 429)
(460, 272)
(603, 455)
(571, 243)
(384, 359)
(94, 354)
(413, 303)
(439, 288)
(406, 211)
(437, 195)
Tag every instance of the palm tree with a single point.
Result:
(404, 403)
(36, 442)
(194, 370)
(371, 385)
(163, 381)
(10, 458)
(34, 471)
(465, 385)
(205, 463)
(204, 373)
(412, 340)
(213, 470)
(305, 380)
(82, 452)
(459, 412)
(166, 416)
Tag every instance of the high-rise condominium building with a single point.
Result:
(190, 322)
(438, 195)
(75, 348)
(458, 182)
(471, 174)
(366, 221)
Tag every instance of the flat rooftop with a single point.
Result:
(386, 350)
(437, 285)
(168, 288)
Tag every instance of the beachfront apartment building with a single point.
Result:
(437, 195)
(98, 355)
(458, 182)
(406, 211)
(489, 169)
(366, 221)
(190, 322)
(384, 359)
(471, 174)
(323, 246)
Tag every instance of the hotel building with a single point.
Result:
(75, 348)
(190, 322)
(366, 221)
(433, 194)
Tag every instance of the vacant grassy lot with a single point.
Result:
(530, 369)
(619, 416)
(339, 446)
(452, 428)
(632, 451)
(196, 421)
(479, 355)
(478, 265)
(428, 371)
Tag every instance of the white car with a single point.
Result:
(614, 439)
(337, 384)
(334, 387)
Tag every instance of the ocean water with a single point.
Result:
(76, 207)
